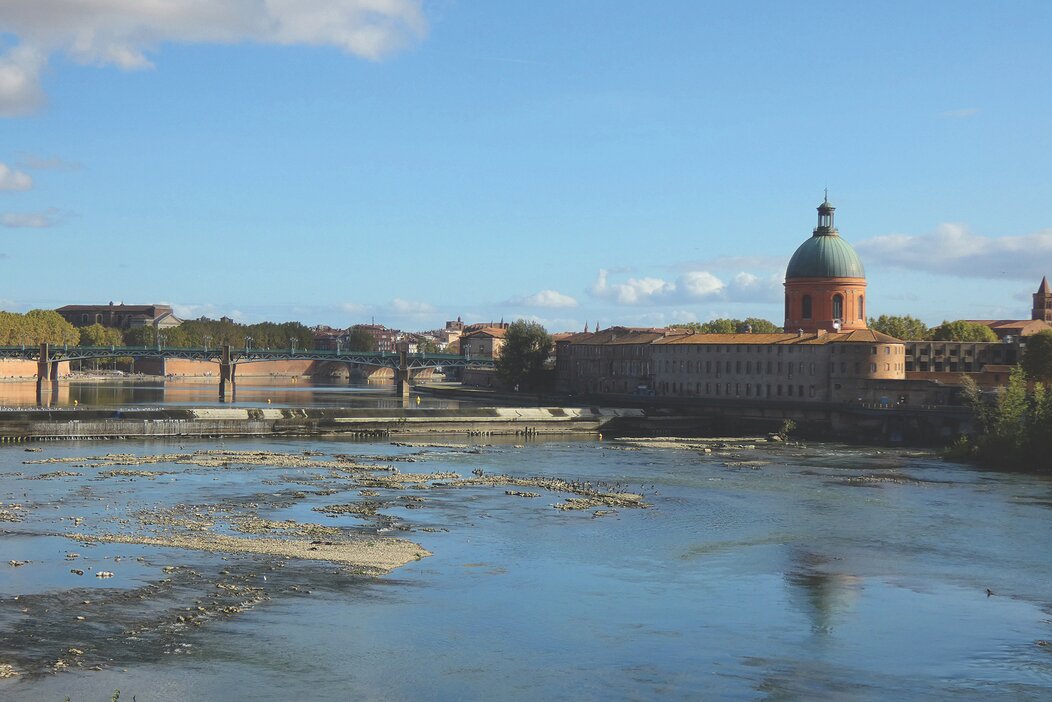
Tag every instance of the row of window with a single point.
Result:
(735, 390)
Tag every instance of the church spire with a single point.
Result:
(1043, 302)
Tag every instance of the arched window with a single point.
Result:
(861, 307)
(806, 307)
(838, 306)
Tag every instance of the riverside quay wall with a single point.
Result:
(44, 424)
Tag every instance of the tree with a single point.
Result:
(963, 331)
(98, 335)
(730, 326)
(905, 327)
(34, 327)
(758, 326)
(358, 339)
(524, 355)
(1037, 358)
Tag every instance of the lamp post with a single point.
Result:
(337, 347)
(248, 343)
(292, 341)
(207, 339)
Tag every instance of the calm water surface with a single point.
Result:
(250, 392)
(782, 573)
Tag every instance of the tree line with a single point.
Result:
(910, 328)
(36, 326)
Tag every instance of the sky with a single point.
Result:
(569, 162)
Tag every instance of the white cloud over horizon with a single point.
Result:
(690, 286)
(954, 250)
(10, 179)
(122, 32)
(545, 298)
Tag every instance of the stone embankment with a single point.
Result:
(48, 424)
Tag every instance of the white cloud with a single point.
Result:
(11, 179)
(401, 306)
(32, 220)
(954, 250)
(352, 307)
(545, 298)
(634, 291)
(122, 32)
(691, 286)
(700, 284)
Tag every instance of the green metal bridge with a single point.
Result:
(401, 362)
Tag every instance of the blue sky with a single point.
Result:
(335, 161)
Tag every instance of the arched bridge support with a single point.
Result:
(402, 373)
(47, 372)
(227, 368)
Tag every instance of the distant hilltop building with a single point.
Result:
(120, 316)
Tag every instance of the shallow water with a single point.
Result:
(779, 573)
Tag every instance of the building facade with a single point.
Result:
(120, 316)
(816, 367)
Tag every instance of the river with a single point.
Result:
(779, 572)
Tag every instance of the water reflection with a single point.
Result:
(819, 593)
(261, 392)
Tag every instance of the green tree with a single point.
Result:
(905, 327)
(34, 327)
(98, 335)
(358, 339)
(758, 326)
(730, 326)
(524, 356)
(1037, 358)
(963, 331)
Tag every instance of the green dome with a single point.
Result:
(825, 255)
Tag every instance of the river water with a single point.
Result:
(771, 573)
(199, 392)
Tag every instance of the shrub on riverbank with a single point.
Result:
(1014, 430)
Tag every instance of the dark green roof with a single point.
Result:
(825, 255)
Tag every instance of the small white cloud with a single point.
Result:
(545, 298)
(954, 250)
(961, 113)
(11, 179)
(32, 220)
(121, 32)
(699, 285)
(634, 291)
(20, 91)
(352, 307)
(401, 306)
